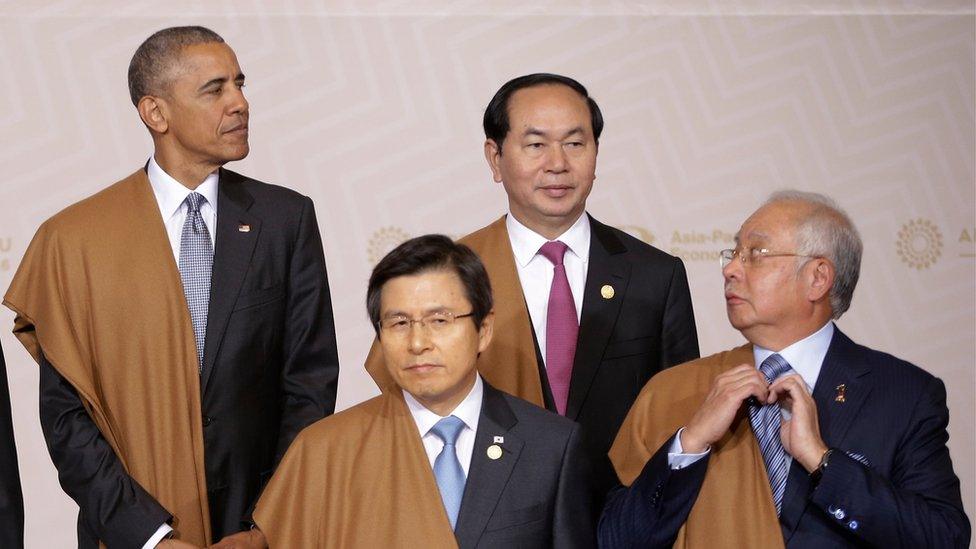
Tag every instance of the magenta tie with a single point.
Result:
(562, 327)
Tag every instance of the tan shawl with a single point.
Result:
(509, 364)
(100, 293)
(735, 506)
(359, 478)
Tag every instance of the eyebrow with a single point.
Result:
(536, 131)
(220, 82)
(432, 310)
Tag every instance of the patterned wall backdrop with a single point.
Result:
(373, 109)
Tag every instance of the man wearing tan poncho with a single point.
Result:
(802, 437)
(181, 318)
(443, 459)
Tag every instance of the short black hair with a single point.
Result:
(152, 63)
(430, 253)
(496, 114)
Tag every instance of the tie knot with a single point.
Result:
(194, 201)
(554, 251)
(773, 367)
(448, 429)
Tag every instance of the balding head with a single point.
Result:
(823, 229)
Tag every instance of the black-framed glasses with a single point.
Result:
(753, 255)
(434, 323)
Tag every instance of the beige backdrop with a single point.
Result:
(375, 113)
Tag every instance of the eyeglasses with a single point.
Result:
(435, 323)
(753, 255)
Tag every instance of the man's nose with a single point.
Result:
(733, 269)
(556, 159)
(239, 103)
(419, 338)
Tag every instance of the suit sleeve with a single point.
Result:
(650, 511)
(310, 372)
(679, 336)
(11, 496)
(575, 511)
(919, 506)
(113, 505)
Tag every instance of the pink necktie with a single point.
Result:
(562, 327)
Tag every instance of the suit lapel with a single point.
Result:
(837, 408)
(606, 266)
(487, 477)
(232, 256)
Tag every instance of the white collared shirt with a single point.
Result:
(535, 271)
(468, 411)
(805, 358)
(171, 198)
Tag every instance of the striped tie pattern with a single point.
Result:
(196, 265)
(765, 421)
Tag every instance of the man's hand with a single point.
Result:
(175, 544)
(248, 539)
(715, 415)
(801, 433)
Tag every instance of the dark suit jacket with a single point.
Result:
(11, 497)
(536, 494)
(623, 342)
(270, 367)
(889, 482)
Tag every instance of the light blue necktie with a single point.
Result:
(196, 264)
(447, 468)
(765, 421)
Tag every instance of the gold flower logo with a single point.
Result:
(919, 243)
(384, 240)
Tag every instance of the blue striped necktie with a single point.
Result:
(765, 421)
(447, 469)
(196, 264)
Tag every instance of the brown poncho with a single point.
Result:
(99, 291)
(359, 478)
(735, 506)
(509, 364)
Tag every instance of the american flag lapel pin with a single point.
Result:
(244, 228)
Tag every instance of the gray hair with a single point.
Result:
(828, 232)
(151, 66)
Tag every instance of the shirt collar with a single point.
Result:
(526, 242)
(468, 411)
(805, 356)
(170, 193)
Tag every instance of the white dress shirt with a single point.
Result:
(171, 198)
(468, 411)
(805, 358)
(536, 272)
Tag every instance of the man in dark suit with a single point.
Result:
(11, 497)
(803, 437)
(262, 346)
(590, 313)
(443, 451)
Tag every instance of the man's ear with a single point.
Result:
(493, 154)
(152, 111)
(486, 331)
(821, 278)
